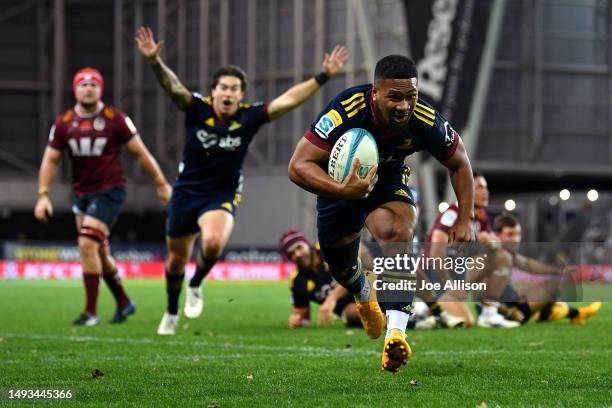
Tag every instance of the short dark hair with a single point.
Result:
(395, 67)
(476, 173)
(230, 70)
(504, 221)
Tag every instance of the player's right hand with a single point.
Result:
(355, 187)
(164, 193)
(146, 44)
(326, 311)
(44, 209)
(296, 321)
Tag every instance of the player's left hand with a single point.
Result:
(461, 232)
(333, 63)
(326, 311)
(164, 193)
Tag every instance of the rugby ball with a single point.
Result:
(354, 143)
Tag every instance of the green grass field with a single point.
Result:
(240, 354)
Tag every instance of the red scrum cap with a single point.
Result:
(291, 238)
(88, 75)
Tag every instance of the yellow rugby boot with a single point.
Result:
(396, 351)
(372, 317)
(585, 312)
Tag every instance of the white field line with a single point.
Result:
(290, 351)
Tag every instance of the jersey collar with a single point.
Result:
(85, 115)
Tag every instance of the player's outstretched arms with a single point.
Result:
(137, 148)
(299, 93)
(44, 209)
(151, 50)
(306, 170)
(460, 172)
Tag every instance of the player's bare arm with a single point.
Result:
(299, 317)
(306, 170)
(460, 172)
(138, 149)
(536, 267)
(44, 209)
(151, 50)
(298, 94)
(439, 239)
(326, 311)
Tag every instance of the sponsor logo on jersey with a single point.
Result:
(448, 218)
(327, 123)
(449, 137)
(84, 147)
(99, 124)
(226, 142)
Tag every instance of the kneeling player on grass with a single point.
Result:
(312, 282)
(94, 135)
(539, 300)
(455, 301)
(401, 124)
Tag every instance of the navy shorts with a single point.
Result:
(337, 218)
(185, 208)
(103, 205)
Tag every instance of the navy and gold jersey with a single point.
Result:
(307, 286)
(215, 147)
(353, 108)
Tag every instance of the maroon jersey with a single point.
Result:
(447, 219)
(94, 143)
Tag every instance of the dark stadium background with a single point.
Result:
(545, 119)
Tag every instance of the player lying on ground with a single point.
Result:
(389, 109)
(455, 301)
(312, 282)
(538, 300)
(94, 134)
(219, 129)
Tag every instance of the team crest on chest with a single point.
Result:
(99, 124)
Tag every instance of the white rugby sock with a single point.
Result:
(489, 308)
(396, 319)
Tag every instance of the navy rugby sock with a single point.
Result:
(113, 281)
(174, 283)
(203, 266)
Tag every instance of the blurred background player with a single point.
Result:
(93, 134)
(538, 299)
(455, 301)
(219, 129)
(312, 282)
(401, 124)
